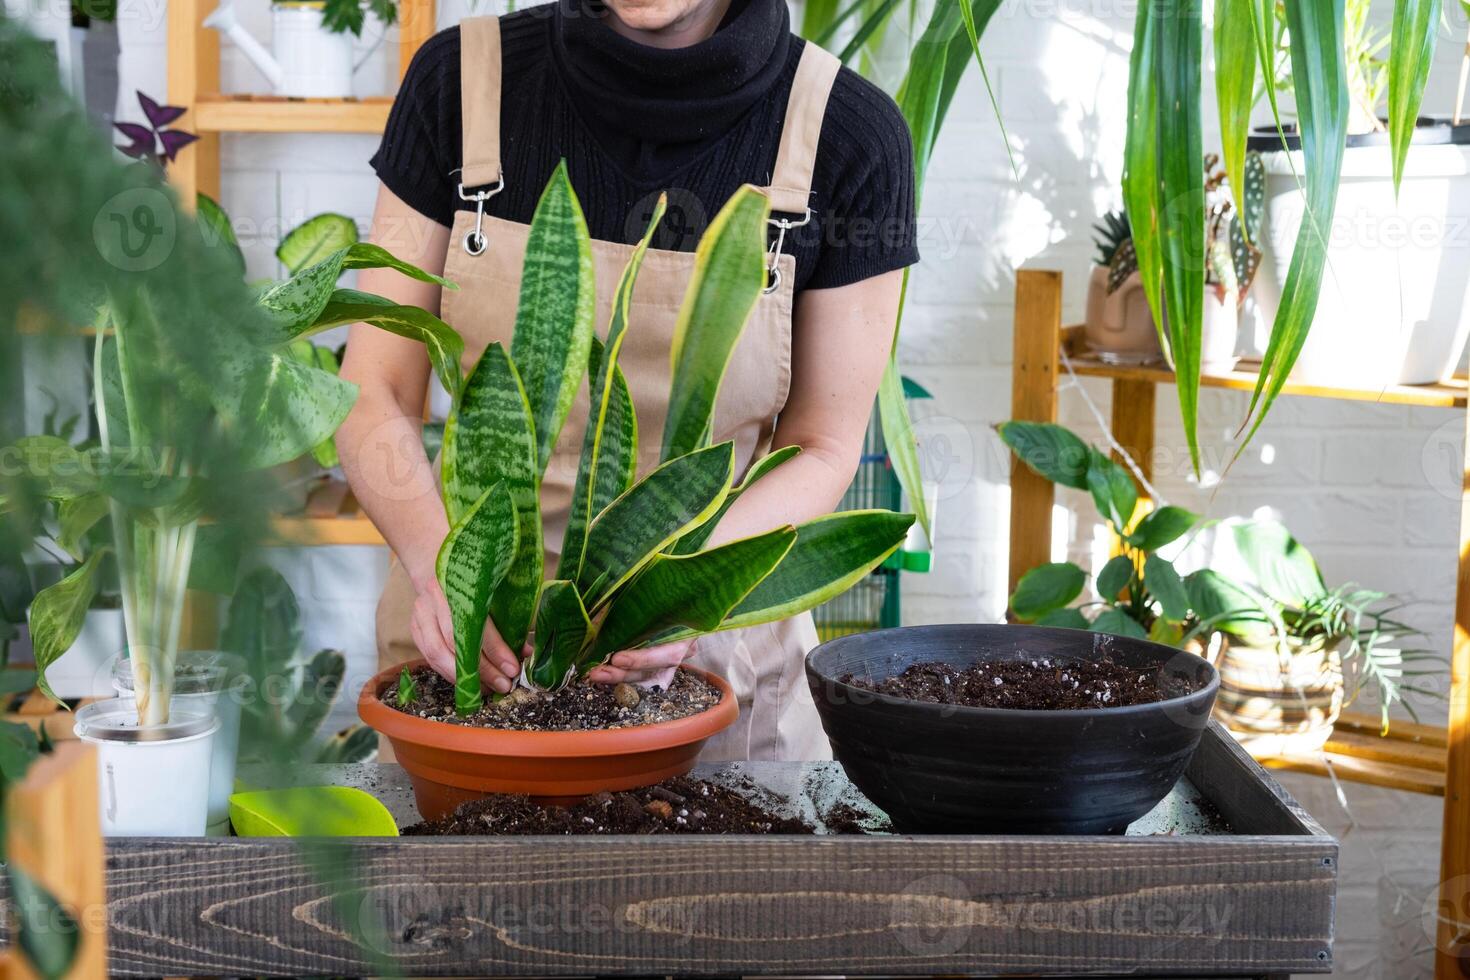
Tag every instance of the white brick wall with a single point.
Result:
(1371, 489)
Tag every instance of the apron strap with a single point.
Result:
(479, 70)
(791, 183)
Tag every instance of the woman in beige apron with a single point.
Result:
(483, 255)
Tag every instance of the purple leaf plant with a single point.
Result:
(154, 142)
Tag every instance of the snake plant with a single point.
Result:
(634, 569)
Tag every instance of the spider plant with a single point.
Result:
(634, 568)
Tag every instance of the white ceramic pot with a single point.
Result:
(1220, 329)
(202, 686)
(152, 782)
(1393, 305)
(85, 670)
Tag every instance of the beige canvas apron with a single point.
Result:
(762, 663)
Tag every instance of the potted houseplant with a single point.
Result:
(1289, 639)
(312, 51)
(1392, 308)
(1119, 327)
(634, 569)
(1232, 258)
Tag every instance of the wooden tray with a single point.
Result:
(1182, 894)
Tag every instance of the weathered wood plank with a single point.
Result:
(727, 905)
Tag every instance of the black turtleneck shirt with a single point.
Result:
(633, 121)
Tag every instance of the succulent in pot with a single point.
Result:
(634, 569)
(1118, 327)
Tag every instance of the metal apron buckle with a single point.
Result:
(773, 257)
(474, 240)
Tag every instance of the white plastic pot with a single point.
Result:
(1393, 305)
(202, 687)
(154, 781)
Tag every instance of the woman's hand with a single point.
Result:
(433, 631)
(649, 667)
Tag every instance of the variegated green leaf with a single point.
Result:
(315, 239)
(695, 539)
(678, 495)
(558, 305)
(830, 555)
(59, 470)
(77, 516)
(729, 274)
(311, 355)
(276, 408)
(56, 616)
(488, 440)
(602, 389)
(562, 629)
(472, 561)
(694, 591)
(295, 304)
(443, 343)
(617, 462)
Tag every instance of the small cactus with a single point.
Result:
(1112, 233)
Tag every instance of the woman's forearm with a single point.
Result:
(804, 488)
(383, 456)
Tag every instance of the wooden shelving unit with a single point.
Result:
(1417, 758)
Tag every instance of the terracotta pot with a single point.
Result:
(451, 764)
(1120, 328)
(1280, 703)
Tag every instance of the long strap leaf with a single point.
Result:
(557, 309)
(695, 539)
(1141, 164)
(693, 591)
(1235, 83)
(1320, 78)
(472, 561)
(729, 274)
(1409, 58)
(562, 629)
(489, 441)
(585, 504)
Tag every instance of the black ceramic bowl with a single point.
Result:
(945, 769)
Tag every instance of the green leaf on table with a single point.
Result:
(1281, 566)
(1161, 527)
(1071, 619)
(695, 539)
(57, 614)
(1113, 490)
(695, 591)
(314, 240)
(558, 304)
(1047, 588)
(471, 563)
(680, 494)
(1114, 577)
(1411, 53)
(562, 629)
(729, 274)
(310, 811)
(1049, 450)
(488, 440)
(1118, 623)
(607, 429)
(1164, 584)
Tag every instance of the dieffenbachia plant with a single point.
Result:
(633, 570)
(174, 418)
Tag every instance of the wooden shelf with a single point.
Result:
(1452, 395)
(272, 114)
(1410, 757)
(331, 516)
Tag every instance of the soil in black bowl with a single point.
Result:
(1042, 684)
(681, 805)
(578, 707)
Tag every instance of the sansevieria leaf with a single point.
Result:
(488, 440)
(473, 559)
(602, 388)
(830, 555)
(1411, 52)
(442, 342)
(678, 495)
(696, 538)
(694, 591)
(617, 461)
(729, 274)
(56, 616)
(558, 304)
(562, 628)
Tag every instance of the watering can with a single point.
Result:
(310, 62)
